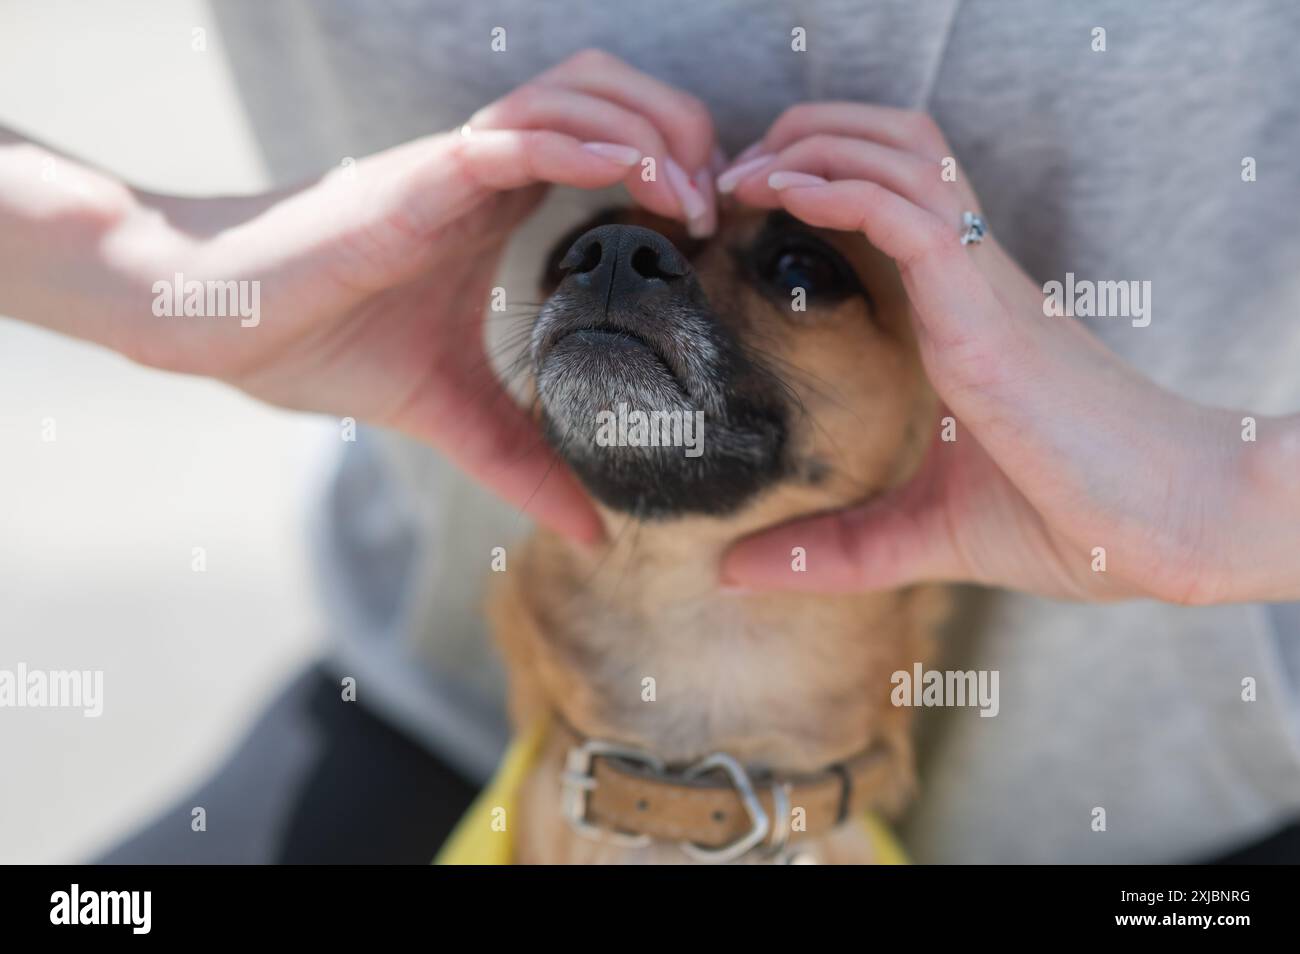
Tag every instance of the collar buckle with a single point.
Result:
(577, 781)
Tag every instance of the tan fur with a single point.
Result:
(790, 682)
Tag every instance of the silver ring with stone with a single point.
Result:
(974, 229)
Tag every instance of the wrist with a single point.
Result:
(142, 251)
(77, 248)
(1213, 519)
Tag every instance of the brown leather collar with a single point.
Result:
(715, 809)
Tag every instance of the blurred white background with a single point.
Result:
(97, 527)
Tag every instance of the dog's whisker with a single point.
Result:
(791, 370)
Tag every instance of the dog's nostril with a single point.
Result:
(582, 256)
(645, 262)
(589, 258)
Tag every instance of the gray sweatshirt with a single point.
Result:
(1122, 163)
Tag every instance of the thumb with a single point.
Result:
(897, 539)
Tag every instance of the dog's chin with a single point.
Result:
(625, 423)
(594, 364)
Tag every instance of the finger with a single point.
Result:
(705, 222)
(492, 439)
(684, 120)
(915, 178)
(387, 215)
(904, 231)
(977, 354)
(1008, 374)
(894, 541)
(587, 117)
(461, 170)
(901, 128)
(511, 159)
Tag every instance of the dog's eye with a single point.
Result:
(808, 264)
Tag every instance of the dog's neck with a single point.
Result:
(637, 643)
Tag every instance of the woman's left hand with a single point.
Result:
(1061, 447)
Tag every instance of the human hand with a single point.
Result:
(1060, 449)
(375, 279)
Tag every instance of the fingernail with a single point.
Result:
(788, 180)
(748, 152)
(704, 226)
(693, 205)
(742, 170)
(614, 152)
(698, 228)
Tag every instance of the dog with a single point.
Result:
(684, 722)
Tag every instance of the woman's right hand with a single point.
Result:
(374, 279)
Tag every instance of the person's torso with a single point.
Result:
(1119, 164)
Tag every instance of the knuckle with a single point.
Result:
(518, 102)
(921, 129)
(867, 195)
(931, 136)
(533, 141)
(644, 134)
(791, 118)
(484, 116)
(821, 143)
(591, 56)
(819, 151)
(502, 113)
(696, 113)
(457, 160)
(932, 240)
(918, 124)
(797, 112)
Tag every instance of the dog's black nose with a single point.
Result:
(618, 264)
